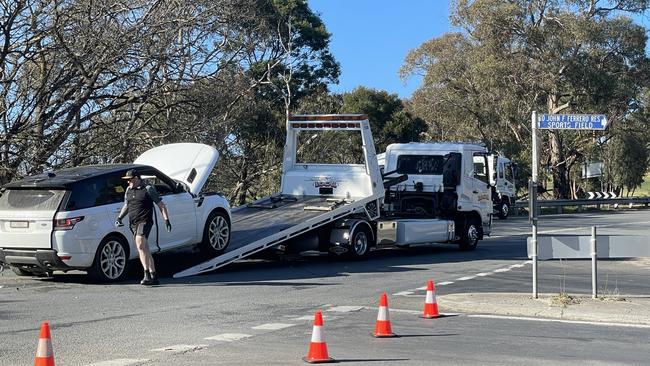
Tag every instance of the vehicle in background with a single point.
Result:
(64, 220)
(435, 192)
(504, 192)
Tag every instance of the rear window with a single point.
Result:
(98, 191)
(420, 164)
(31, 199)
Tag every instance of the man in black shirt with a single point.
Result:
(139, 199)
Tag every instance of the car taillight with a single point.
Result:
(66, 224)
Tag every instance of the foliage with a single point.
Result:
(390, 122)
(518, 56)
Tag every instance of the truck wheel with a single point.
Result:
(360, 243)
(216, 234)
(469, 236)
(504, 210)
(110, 260)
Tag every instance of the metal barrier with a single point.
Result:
(584, 202)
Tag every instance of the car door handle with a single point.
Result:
(475, 192)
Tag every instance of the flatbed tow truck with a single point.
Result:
(312, 196)
(428, 193)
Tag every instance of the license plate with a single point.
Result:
(19, 224)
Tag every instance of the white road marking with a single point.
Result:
(120, 362)
(180, 348)
(403, 293)
(304, 317)
(345, 309)
(311, 317)
(411, 293)
(228, 337)
(273, 326)
(558, 321)
(409, 311)
(466, 278)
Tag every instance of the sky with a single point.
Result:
(371, 38)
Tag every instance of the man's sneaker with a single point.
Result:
(147, 280)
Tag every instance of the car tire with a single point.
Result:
(111, 259)
(470, 234)
(360, 243)
(21, 272)
(216, 234)
(504, 210)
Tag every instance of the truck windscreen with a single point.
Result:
(420, 164)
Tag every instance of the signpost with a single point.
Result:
(573, 122)
(553, 122)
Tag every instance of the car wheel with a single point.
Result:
(216, 234)
(110, 260)
(469, 236)
(21, 272)
(504, 210)
(360, 243)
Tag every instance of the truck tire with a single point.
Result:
(216, 234)
(360, 243)
(111, 259)
(470, 234)
(504, 210)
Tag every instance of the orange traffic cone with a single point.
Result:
(44, 353)
(382, 327)
(317, 347)
(430, 304)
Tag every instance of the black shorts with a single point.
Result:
(141, 228)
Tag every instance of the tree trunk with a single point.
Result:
(558, 166)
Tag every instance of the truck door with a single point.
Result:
(481, 190)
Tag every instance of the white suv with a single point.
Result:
(63, 220)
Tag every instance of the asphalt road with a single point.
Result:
(260, 311)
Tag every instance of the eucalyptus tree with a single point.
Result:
(512, 57)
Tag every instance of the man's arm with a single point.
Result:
(153, 194)
(163, 210)
(123, 211)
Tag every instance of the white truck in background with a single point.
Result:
(503, 183)
(435, 192)
(427, 193)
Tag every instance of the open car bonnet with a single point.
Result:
(186, 162)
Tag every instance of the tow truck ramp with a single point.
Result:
(255, 228)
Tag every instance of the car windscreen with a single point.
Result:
(420, 164)
(31, 199)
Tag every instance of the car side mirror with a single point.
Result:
(180, 187)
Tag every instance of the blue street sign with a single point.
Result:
(573, 122)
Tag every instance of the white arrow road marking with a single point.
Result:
(228, 337)
(178, 348)
(273, 326)
(120, 362)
